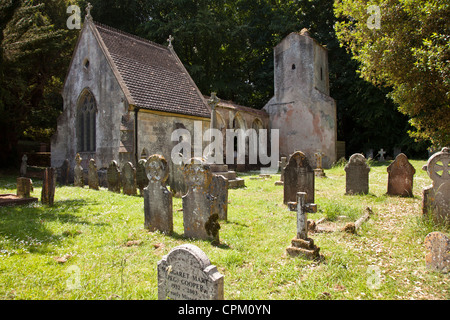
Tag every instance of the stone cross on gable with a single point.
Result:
(381, 153)
(170, 41)
(213, 101)
(88, 10)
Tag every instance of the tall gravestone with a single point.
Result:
(282, 165)
(64, 173)
(48, 186)
(438, 252)
(219, 190)
(78, 172)
(129, 179)
(199, 215)
(158, 209)
(113, 177)
(186, 273)
(93, 180)
(436, 198)
(141, 176)
(298, 177)
(319, 172)
(23, 166)
(357, 175)
(400, 177)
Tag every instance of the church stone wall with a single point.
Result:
(97, 77)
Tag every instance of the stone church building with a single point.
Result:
(124, 96)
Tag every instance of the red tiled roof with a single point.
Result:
(153, 74)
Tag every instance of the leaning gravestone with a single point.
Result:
(187, 274)
(438, 252)
(298, 177)
(113, 177)
(141, 176)
(157, 198)
(400, 177)
(436, 198)
(199, 215)
(93, 180)
(78, 172)
(219, 190)
(48, 186)
(357, 175)
(129, 179)
(24, 187)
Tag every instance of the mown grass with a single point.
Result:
(111, 256)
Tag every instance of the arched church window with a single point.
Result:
(86, 123)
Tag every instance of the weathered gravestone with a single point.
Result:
(199, 215)
(438, 252)
(141, 176)
(113, 177)
(357, 175)
(302, 245)
(187, 274)
(78, 172)
(436, 198)
(400, 177)
(319, 172)
(64, 173)
(129, 179)
(24, 187)
(219, 190)
(93, 180)
(48, 186)
(23, 166)
(157, 198)
(298, 177)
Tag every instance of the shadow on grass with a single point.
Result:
(25, 227)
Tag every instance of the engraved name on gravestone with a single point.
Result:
(357, 175)
(400, 177)
(298, 177)
(187, 274)
(158, 209)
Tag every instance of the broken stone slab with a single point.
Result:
(24, 187)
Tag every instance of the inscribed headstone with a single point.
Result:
(129, 179)
(357, 175)
(158, 209)
(113, 177)
(298, 177)
(48, 186)
(438, 252)
(93, 180)
(187, 274)
(199, 216)
(400, 177)
(78, 172)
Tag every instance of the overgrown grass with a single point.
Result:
(109, 255)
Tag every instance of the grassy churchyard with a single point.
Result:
(93, 245)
